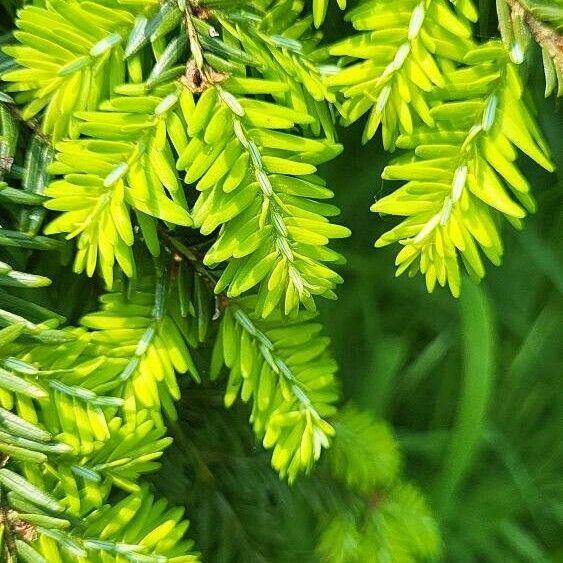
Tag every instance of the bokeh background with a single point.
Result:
(473, 387)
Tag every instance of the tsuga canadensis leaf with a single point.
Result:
(28, 553)
(14, 482)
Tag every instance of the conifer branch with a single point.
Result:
(270, 364)
(188, 138)
(446, 100)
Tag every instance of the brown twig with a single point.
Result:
(32, 124)
(544, 35)
(199, 75)
(14, 528)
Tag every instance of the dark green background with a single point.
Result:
(486, 445)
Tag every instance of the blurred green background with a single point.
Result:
(473, 387)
